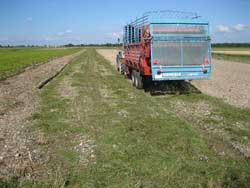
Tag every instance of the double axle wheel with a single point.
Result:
(120, 67)
(135, 76)
(136, 79)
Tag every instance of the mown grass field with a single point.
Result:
(99, 131)
(14, 60)
(240, 54)
(231, 49)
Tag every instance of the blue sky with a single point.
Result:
(57, 22)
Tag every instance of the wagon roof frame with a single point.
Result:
(168, 17)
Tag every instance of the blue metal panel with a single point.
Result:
(181, 73)
(177, 30)
(186, 58)
(177, 21)
(164, 16)
(180, 56)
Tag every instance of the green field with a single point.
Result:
(234, 58)
(240, 54)
(99, 131)
(14, 60)
(231, 48)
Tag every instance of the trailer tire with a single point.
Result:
(117, 63)
(138, 80)
(119, 67)
(122, 68)
(133, 77)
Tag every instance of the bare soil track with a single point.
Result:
(229, 81)
(234, 52)
(19, 97)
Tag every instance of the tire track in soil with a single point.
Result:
(229, 80)
(19, 98)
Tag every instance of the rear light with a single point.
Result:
(155, 62)
(159, 72)
(206, 62)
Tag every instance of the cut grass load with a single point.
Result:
(14, 60)
(108, 134)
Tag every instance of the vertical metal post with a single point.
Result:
(182, 58)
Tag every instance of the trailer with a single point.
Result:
(166, 45)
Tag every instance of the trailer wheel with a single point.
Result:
(122, 68)
(133, 77)
(138, 80)
(117, 63)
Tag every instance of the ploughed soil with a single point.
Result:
(19, 97)
(229, 81)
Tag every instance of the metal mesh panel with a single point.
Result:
(146, 19)
(180, 53)
(172, 14)
(180, 30)
(180, 44)
(167, 54)
(194, 53)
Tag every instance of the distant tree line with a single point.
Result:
(120, 44)
(25, 46)
(94, 45)
(66, 45)
(113, 45)
(231, 45)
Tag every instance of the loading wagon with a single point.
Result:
(166, 45)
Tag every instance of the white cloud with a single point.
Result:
(66, 32)
(222, 29)
(29, 19)
(117, 35)
(49, 39)
(240, 27)
(114, 35)
(60, 33)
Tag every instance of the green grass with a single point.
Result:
(137, 140)
(231, 57)
(14, 60)
(226, 124)
(231, 49)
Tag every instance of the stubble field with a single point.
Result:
(89, 127)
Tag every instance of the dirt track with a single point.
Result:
(230, 80)
(19, 97)
(109, 54)
(18, 100)
(232, 52)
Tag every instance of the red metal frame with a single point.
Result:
(137, 55)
